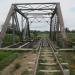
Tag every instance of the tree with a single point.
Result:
(35, 34)
(67, 29)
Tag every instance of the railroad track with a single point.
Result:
(47, 62)
(25, 44)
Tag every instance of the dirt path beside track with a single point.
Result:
(21, 66)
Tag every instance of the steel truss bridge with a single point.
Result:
(21, 15)
(47, 53)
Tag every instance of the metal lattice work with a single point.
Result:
(31, 12)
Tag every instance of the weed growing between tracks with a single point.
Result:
(40, 73)
(17, 65)
(42, 61)
(26, 72)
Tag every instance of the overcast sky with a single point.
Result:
(67, 6)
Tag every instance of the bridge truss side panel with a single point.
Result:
(61, 23)
(6, 23)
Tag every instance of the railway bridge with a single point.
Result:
(40, 56)
(21, 15)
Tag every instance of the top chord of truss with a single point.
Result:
(33, 3)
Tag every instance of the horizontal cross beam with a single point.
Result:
(32, 3)
(37, 9)
(38, 13)
(19, 11)
(39, 17)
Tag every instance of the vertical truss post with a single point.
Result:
(60, 17)
(17, 22)
(54, 31)
(54, 34)
(13, 25)
(22, 28)
(5, 25)
(57, 31)
(1, 41)
(22, 22)
(51, 28)
(28, 30)
(24, 31)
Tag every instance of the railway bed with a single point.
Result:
(48, 62)
(24, 44)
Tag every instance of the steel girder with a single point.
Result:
(26, 31)
(57, 31)
(15, 23)
(5, 25)
(36, 10)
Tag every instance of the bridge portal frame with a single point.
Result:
(51, 11)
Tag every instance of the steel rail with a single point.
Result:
(54, 55)
(56, 58)
(12, 45)
(37, 59)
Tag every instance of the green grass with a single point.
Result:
(72, 72)
(42, 61)
(43, 35)
(4, 55)
(70, 39)
(8, 39)
(26, 72)
(69, 57)
(71, 36)
(17, 66)
(42, 67)
(40, 34)
(40, 73)
(57, 73)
